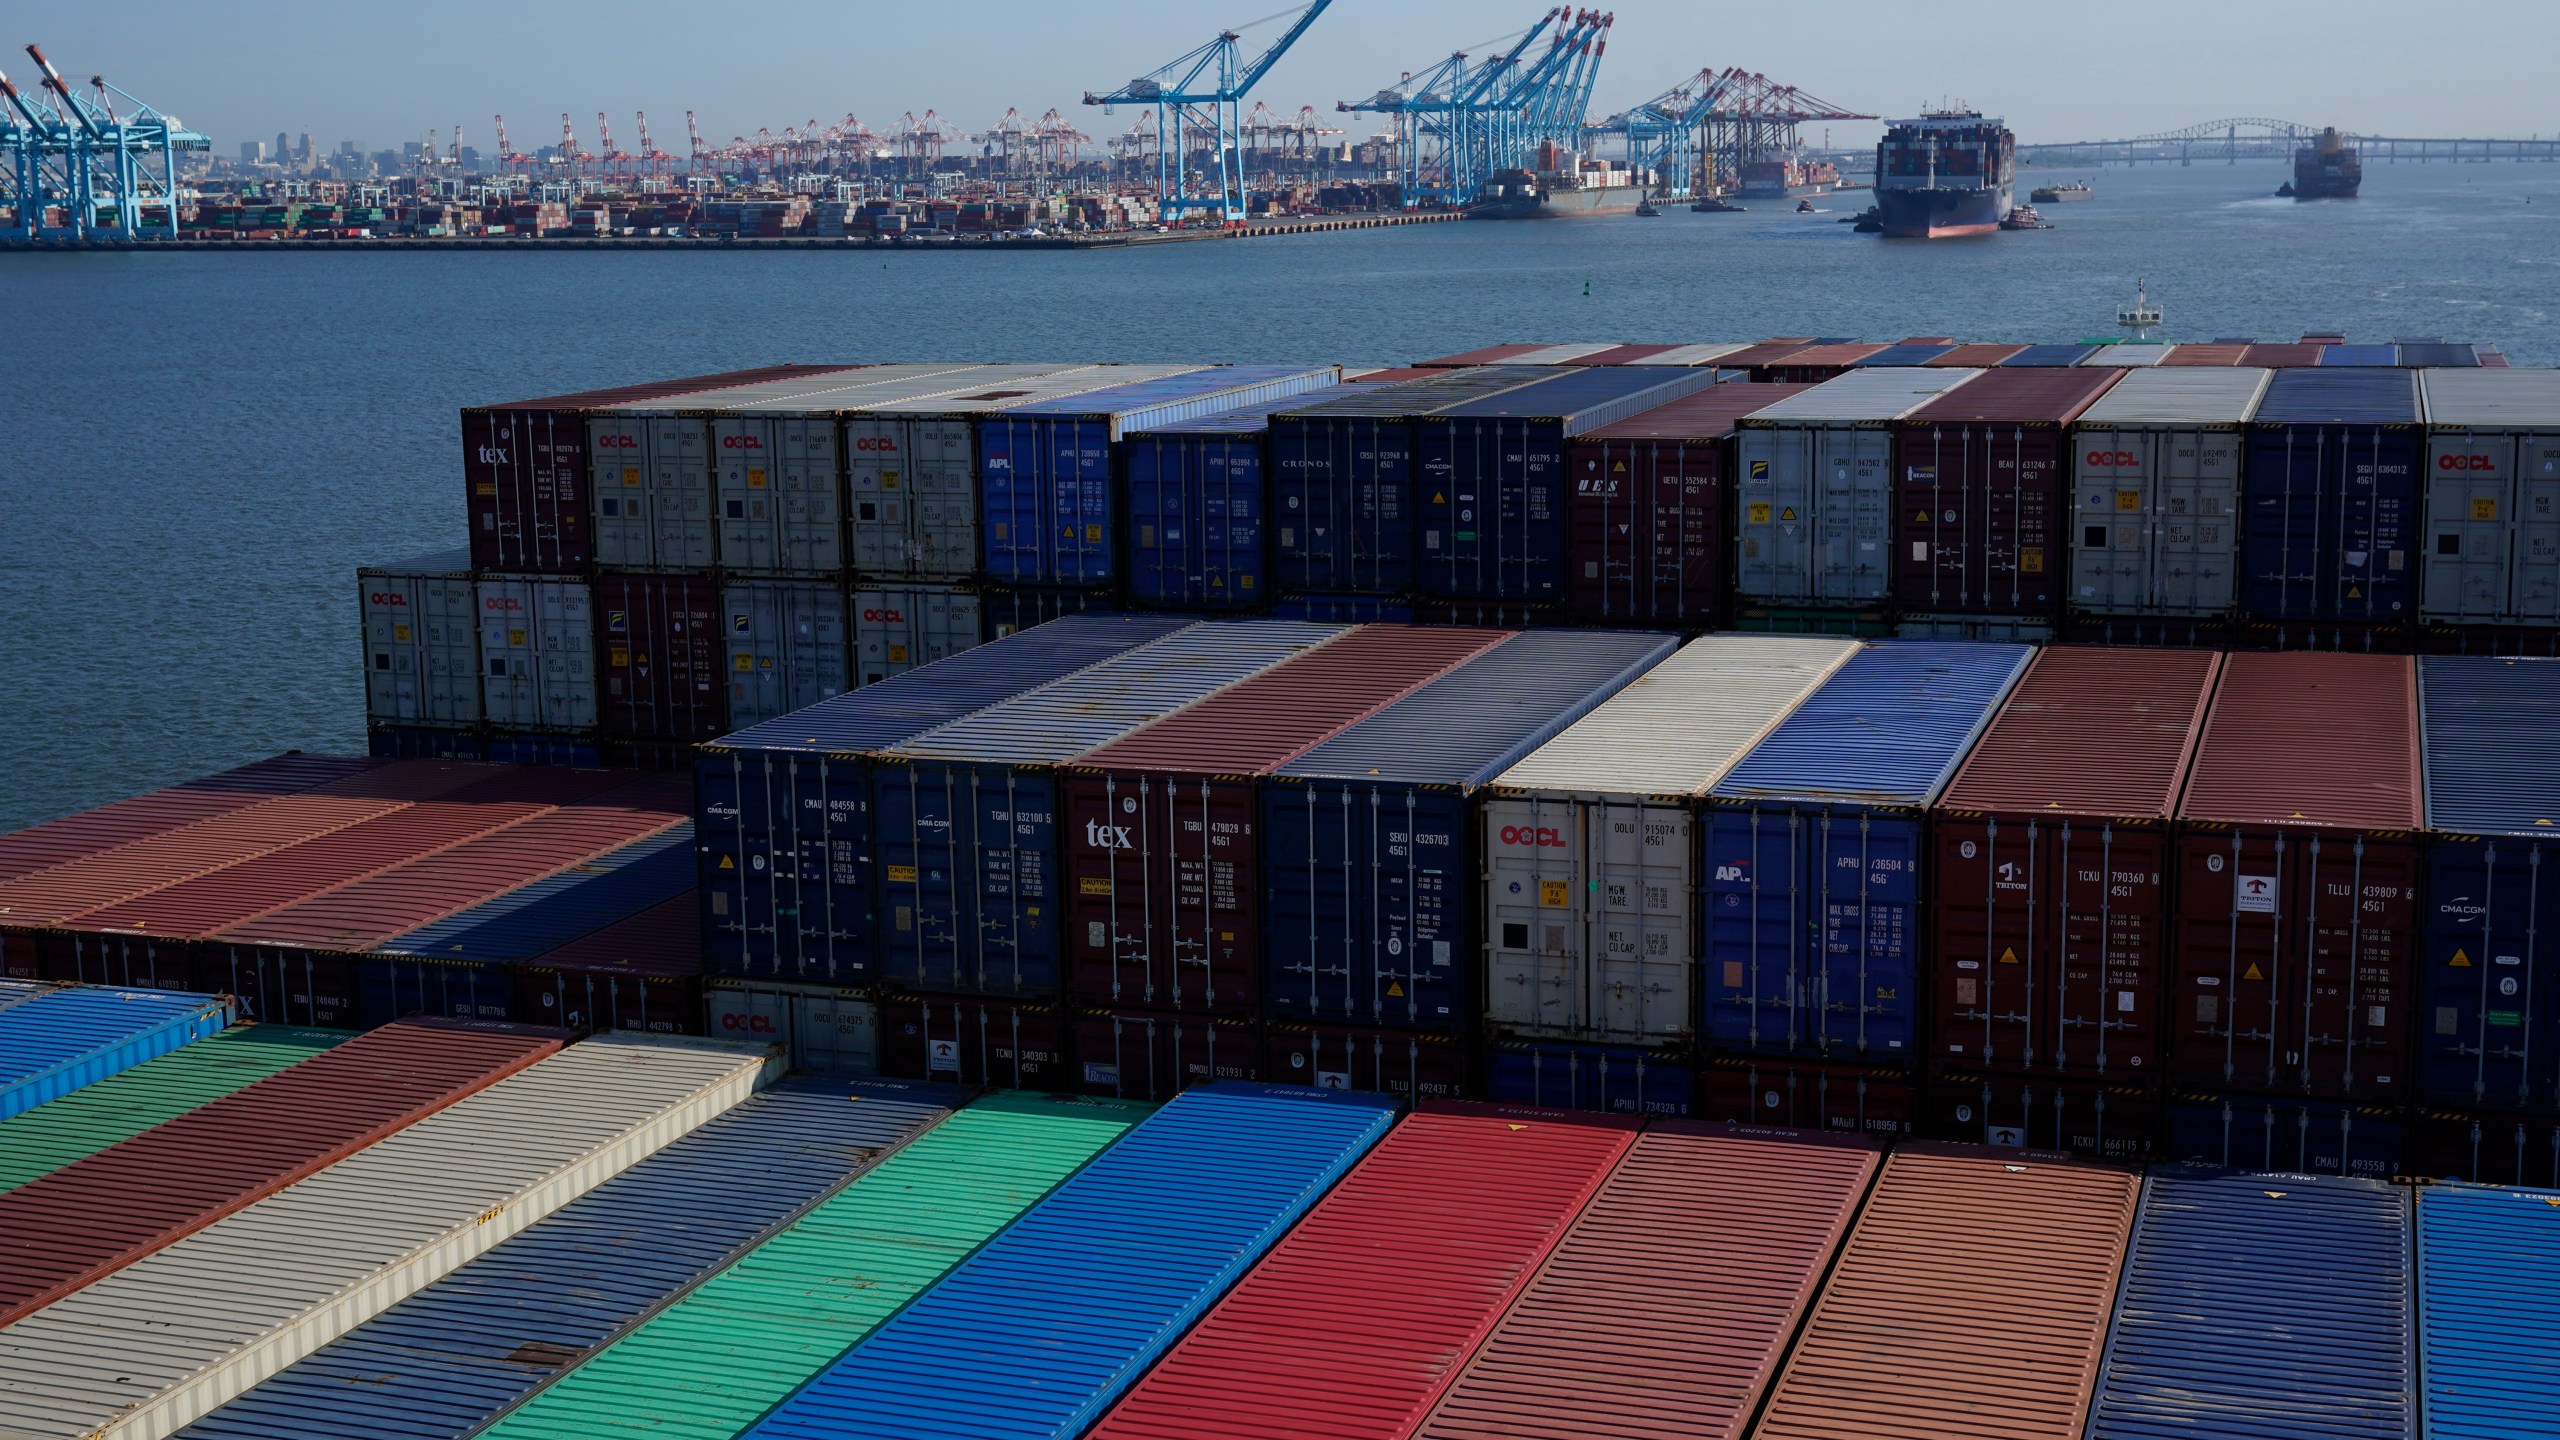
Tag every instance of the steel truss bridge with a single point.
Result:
(2256, 138)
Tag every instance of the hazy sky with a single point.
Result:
(2057, 69)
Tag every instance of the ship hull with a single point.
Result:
(1917, 214)
(1772, 190)
(1560, 204)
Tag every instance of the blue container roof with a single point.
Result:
(2436, 355)
(1101, 703)
(1888, 729)
(2360, 355)
(61, 1039)
(1143, 404)
(534, 919)
(1036, 1334)
(905, 706)
(2264, 1305)
(1485, 716)
(2485, 726)
(1587, 398)
(2310, 395)
(1419, 397)
(2050, 355)
(1899, 355)
(447, 1359)
(2487, 1258)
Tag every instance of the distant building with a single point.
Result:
(253, 152)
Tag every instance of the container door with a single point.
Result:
(812, 503)
(746, 469)
(880, 489)
(679, 495)
(1224, 506)
(944, 534)
(786, 648)
(2109, 940)
(2283, 515)
(510, 657)
(2116, 528)
(919, 813)
(2354, 994)
(785, 849)
(1315, 879)
(1758, 944)
(2485, 1025)
(1853, 515)
(1167, 894)
(968, 857)
(1538, 977)
(2238, 946)
(564, 623)
(1012, 472)
(2471, 523)
(449, 608)
(2536, 583)
(620, 447)
(2195, 495)
(1422, 910)
(834, 1034)
(1774, 555)
(1995, 929)
(1868, 901)
(1080, 512)
(1639, 922)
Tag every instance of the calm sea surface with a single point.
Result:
(196, 450)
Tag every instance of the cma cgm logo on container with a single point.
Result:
(2465, 462)
(740, 442)
(2111, 459)
(1544, 837)
(877, 444)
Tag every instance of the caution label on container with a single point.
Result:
(1760, 512)
(902, 874)
(1091, 885)
(1554, 894)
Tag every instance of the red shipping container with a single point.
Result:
(2053, 861)
(1974, 357)
(1814, 364)
(100, 1214)
(1410, 1064)
(528, 474)
(2218, 353)
(91, 831)
(2298, 924)
(1982, 475)
(1663, 1313)
(1757, 358)
(1970, 1301)
(1621, 355)
(1160, 840)
(659, 650)
(18, 959)
(640, 973)
(1877, 1101)
(142, 962)
(1344, 1332)
(1003, 1043)
(2485, 1148)
(1134, 1055)
(1646, 526)
(2282, 356)
(2094, 1119)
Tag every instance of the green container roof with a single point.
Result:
(710, 1365)
(125, 1104)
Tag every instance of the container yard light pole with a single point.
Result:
(1183, 109)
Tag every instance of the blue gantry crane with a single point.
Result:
(1463, 119)
(1661, 134)
(1198, 95)
(72, 155)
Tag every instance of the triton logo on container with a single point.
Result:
(2465, 462)
(1545, 837)
(1107, 837)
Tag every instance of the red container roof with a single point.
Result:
(2219, 353)
(91, 831)
(661, 942)
(1663, 1313)
(2034, 395)
(101, 1213)
(1708, 414)
(1975, 357)
(1622, 354)
(1767, 352)
(2094, 733)
(1358, 1318)
(2282, 357)
(1926, 340)
(2310, 739)
(663, 389)
(1970, 1302)
(1840, 355)
(1260, 724)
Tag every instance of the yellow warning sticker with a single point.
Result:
(1554, 893)
(2128, 499)
(621, 656)
(2461, 959)
(2253, 972)
(2484, 509)
(486, 488)
(1093, 534)
(1759, 512)
(755, 479)
(2009, 956)
(630, 474)
(1439, 499)
(1092, 886)
(897, 654)
(728, 864)
(1395, 990)
(902, 874)
(515, 637)
(745, 661)
(888, 479)
(1787, 514)
(1620, 467)
(400, 633)
(2031, 559)
(2355, 592)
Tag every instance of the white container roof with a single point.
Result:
(2492, 399)
(1864, 397)
(1693, 354)
(2128, 357)
(2182, 395)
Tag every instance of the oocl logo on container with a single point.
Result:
(2465, 462)
(877, 444)
(617, 442)
(501, 603)
(885, 617)
(741, 442)
(386, 597)
(747, 1024)
(1543, 837)
(2110, 459)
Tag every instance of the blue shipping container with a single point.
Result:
(2488, 1285)
(1197, 506)
(2270, 1306)
(1813, 847)
(2490, 1006)
(419, 742)
(1342, 501)
(1369, 874)
(2299, 1137)
(1047, 477)
(1611, 1079)
(442, 1363)
(967, 815)
(1009, 610)
(1343, 609)
(2436, 355)
(2051, 356)
(2371, 355)
(1490, 479)
(391, 987)
(544, 750)
(782, 810)
(2330, 498)
(549, 913)
(58, 1040)
(1036, 1334)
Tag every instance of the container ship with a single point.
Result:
(1946, 173)
(2328, 170)
(1789, 177)
(1563, 184)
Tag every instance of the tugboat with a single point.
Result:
(2328, 170)
(1805, 207)
(2059, 194)
(2024, 217)
(1717, 205)
(2141, 317)
(1646, 207)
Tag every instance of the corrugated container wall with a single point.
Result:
(1491, 479)
(1368, 848)
(1199, 510)
(1813, 873)
(659, 654)
(786, 647)
(1814, 499)
(966, 815)
(1578, 1075)
(2331, 499)
(897, 628)
(53, 1044)
(421, 641)
(2156, 493)
(2486, 1258)
(783, 809)
(1590, 860)
(1332, 1335)
(2492, 497)
(2298, 880)
(1647, 514)
(1981, 483)
(1972, 1295)
(2054, 864)
(1162, 827)
(1049, 471)
(2489, 1016)
(538, 654)
(2203, 1346)
(1086, 1291)
(643, 972)
(1639, 1326)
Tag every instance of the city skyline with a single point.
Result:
(2356, 64)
